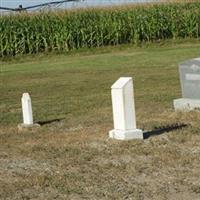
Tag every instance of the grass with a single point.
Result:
(73, 158)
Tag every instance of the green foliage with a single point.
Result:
(86, 28)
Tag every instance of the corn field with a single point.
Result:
(85, 28)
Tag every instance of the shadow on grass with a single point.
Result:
(42, 123)
(163, 129)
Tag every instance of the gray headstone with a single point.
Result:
(190, 78)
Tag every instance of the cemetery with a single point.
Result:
(101, 125)
(100, 103)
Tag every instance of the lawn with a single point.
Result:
(70, 156)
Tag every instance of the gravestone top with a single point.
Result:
(121, 82)
(190, 78)
(26, 96)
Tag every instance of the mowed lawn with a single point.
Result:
(70, 156)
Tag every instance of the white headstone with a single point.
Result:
(27, 109)
(124, 111)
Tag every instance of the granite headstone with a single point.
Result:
(190, 85)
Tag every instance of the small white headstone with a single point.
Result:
(124, 111)
(27, 109)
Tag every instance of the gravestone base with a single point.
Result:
(185, 104)
(22, 127)
(126, 135)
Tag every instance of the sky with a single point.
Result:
(24, 3)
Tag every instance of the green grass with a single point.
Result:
(79, 85)
(73, 158)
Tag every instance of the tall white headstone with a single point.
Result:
(124, 111)
(27, 109)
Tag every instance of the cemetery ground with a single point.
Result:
(70, 156)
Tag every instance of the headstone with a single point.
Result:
(190, 85)
(27, 109)
(124, 111)
(27, 113)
